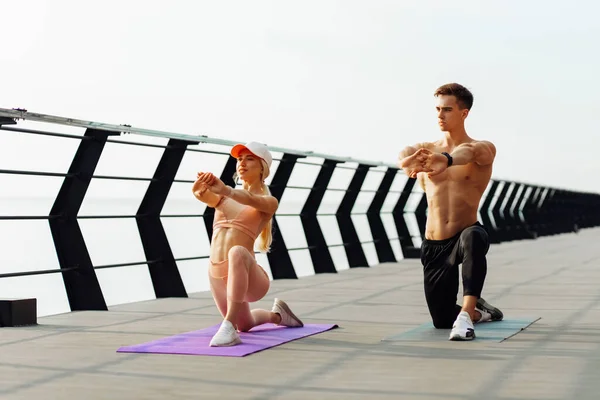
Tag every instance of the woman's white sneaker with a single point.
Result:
(227, 335)
(287, 316)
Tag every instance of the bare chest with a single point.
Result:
(459, 177)
(457, 173)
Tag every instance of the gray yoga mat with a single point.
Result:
(496, 331)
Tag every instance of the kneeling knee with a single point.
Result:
(442, 323)
(244, 327)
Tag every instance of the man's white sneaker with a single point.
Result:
(287, 316)
(227, 335)
(485, 316)
(462, 329)
(495, 313)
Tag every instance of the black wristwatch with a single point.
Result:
(449, 157)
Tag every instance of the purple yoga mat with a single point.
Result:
(257, 339)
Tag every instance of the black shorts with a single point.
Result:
(441, 258)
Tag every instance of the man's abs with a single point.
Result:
(445, 222)
(452, 206)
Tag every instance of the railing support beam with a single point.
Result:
(81, 283)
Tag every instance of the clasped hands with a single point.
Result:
(208, 181)
(424, 160)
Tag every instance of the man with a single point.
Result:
(454, 173)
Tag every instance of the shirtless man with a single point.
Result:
(454, 172)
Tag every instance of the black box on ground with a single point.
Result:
(18, 312)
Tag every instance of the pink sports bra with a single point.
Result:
(231, 214)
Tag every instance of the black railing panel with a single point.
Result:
(83, 289)
(319, 251)
(412, 210)
(497, 205)
(515, 204)
(351, 240)
(337, 187)
(279, 258)
(509, 193)
(164, 273)
(486, 216)
(359, 214)
(376, 225)
(289, 221)
(387, 213)
(335, 242)
(401, 215)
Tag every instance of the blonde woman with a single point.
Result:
(241, 217)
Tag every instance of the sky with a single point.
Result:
(347, 78)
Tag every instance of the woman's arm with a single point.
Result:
(202, 193)
(266, 204)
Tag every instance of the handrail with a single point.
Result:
(128, 129)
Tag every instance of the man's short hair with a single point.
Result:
(464, 97)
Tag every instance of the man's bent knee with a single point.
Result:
(474, 237)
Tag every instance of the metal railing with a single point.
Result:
(509, 210)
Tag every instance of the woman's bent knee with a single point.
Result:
(238, 253)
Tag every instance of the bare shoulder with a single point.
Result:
(485, 152)
(486, 143)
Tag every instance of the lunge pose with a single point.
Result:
(454, 173)
(241, 217)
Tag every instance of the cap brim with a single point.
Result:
(237, 149)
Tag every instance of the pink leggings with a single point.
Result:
(238, 279)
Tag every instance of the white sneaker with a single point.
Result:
(227, 335)
(485, 316)
(462, 329)
(495, 313)
(287, 316)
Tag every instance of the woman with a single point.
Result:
(241, 216)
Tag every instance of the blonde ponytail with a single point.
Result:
(266, 236)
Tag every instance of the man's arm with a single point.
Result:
(481, 153)
(409, 151)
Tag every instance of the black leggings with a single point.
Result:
(440, 259)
